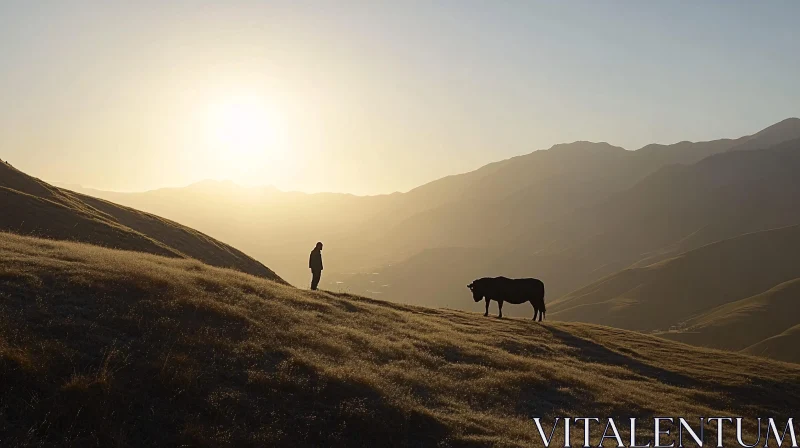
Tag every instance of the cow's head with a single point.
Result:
(477, 293)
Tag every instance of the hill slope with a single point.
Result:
(669, 292)
(113, 348)
(32, 207)
(782, 347)
(764, 315)
(708, 296)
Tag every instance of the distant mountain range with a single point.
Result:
(572, 215)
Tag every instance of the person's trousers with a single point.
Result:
(315, 276)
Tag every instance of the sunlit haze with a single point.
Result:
(373, 97)
(247, 136)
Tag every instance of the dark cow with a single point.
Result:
(511, 290)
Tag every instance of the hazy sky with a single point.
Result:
(374, 96)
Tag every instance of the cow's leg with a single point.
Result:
(487, 306)
(535, 312)
(500, 307)
(541, 315)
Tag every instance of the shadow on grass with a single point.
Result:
(781, 397)
(593, 352)
(562, 401)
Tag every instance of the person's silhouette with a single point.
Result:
(315, 264)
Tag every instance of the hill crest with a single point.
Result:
(33, 207)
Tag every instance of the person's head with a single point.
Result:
(318, 246)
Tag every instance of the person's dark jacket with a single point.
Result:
(315, 260)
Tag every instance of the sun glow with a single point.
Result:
(246, 132)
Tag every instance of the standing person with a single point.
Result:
(315, 264)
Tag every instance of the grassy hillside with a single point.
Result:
(730, 295)
(110, 348)
(783, 346)
(673, 291)
(764, 315)
(32, 207)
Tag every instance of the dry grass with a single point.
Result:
(110, 348)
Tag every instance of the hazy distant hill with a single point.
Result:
(32, 207)
(691, 286)
(112, 348)
(743, 323)
(690, 152)
(782, 347)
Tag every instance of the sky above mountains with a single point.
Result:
(372, 97)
